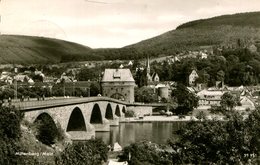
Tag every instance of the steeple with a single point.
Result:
(148, 70)
(148, 65)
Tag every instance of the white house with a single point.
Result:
(210, 98)
(246, 103)
(192, 77)
(130, 63)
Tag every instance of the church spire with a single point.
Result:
(148, 65)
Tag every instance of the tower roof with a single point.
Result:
(115, 75)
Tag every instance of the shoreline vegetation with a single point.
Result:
(202, 140)
(163, 118)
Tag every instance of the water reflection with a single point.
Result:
(126, 133)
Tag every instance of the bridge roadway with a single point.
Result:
(33, 104)
(80, 117)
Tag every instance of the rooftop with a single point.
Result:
(115, 75)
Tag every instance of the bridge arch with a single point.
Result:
(46, 128)
(43, 117)
(96, 116)
(118, 113)
(109, 112)
(76, 121)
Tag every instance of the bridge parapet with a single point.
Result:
(41, 104)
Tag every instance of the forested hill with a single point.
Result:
(30, 49)
(217, 31)
(251, 19)
(222, 30)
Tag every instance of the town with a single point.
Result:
(145, 90)
(145, 81)
(129, 82)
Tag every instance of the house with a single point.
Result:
(192, 77)
(118, 84)
(246, 103)
(151, 78)
(252, 48)
(121, 66)
(6, 77)
(21, 78)
(39, 73)
(64, 78)
(210, 98)
(155, 77)
(139, 68)
(130, 63)
(203, 55)
(49, 79)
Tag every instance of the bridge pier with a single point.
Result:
(82, 135)
(114, 122)
(102, 127)
(121, 118)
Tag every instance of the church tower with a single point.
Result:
(148, 70)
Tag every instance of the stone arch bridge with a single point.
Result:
(78, 117)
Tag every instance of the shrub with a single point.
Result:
(10, 120)
(129, 113)
(92, 151)
(145, 153)
(10, 133)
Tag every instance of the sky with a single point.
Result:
(109, 23)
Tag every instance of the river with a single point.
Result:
(127, 133)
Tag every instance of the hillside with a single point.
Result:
(226, 30)
(251, 19)
(222, 30)
(31, 50)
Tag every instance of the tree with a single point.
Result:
(228, 101)
(10, 119)
(138, 75)
(92, 151)
(145, 94)
(94, 89)
(220, 75)
(145, 153)
(141, 77)
(87, 74)
(235, 141)
(10, 133)
(129, 113)
(186, 100)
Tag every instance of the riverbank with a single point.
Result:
(163, 118)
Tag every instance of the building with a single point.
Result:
(192, 77)
(130, 63)
(118, 84)
(151, 78)
(210, 98)
(155, 77)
